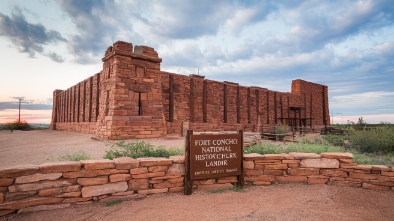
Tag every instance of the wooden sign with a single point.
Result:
(213, 156)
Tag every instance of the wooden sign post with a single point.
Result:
(213, 156)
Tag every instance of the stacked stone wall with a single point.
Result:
(53, 185)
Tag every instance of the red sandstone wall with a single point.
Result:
(132, 98)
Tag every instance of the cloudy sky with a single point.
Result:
(346, 45)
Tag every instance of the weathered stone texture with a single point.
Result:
(104, 189)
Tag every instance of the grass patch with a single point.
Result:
(113, 202)
(140, 149)
(306, 147)
(77, 156)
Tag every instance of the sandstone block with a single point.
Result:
(300, 156)
(205, 182)
(293, 165)
(176, 180)
(153, 191)
(364, 176)
(19, 195)
(254, 172)
(303, 171)
(291, 179)
(229, 179)
(139, 184)
(14, 205)
(337, 178)
(386, 178)
(252, 156)
(344, 183)
(264, 178)
(77, 199)
(50, 191)
(273, 172)
(93, 173)
(291, 161)
(346, 161)
(164, 177)
(124, 197)
(166, 184)
(45, 185)
(336, 155)
(6, 181)
(382, 183)
(363, 167)
(154, 161)
(215, 187)
(178, 159)
(248, 165)
(348, 166)
(69, 194)
(139, 170)
(275, 167)
(98, 164)
(157, 169)
(92, 181)
(333, 173)
(384, 173)
(267, 161)
(374, 187)
(1, 198)
(272, 157)
(74, 188)
(37, 177)
(176, 170)
(176, 189)
(148, 175)
(320, 163)
(317, 179)
(126, 163)
(380, 168)
(259, 167)
(59, 167)
(16, 171)
(119, 177)
(104, 189)
(43, 208)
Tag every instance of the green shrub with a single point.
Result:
(17, 125)
(263, 148)
(139, 149)
(77, 156)
(378, 140)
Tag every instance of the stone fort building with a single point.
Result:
(132, 98)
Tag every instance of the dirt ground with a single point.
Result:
(275, 202)
(40, 146)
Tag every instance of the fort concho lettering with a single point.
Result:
(215, 155)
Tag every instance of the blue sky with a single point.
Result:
(346, 45)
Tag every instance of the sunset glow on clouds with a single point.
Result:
(31, 116)
(347, 45)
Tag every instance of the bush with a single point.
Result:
(17, 125)
(139, 149)
(378, 140)
(78, 156)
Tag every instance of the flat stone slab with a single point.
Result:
(59, 167)
(300, 156)
(253, 156)
(320, 163)
(337, 155)
(104, 189)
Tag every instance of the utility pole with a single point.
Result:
(20, 101)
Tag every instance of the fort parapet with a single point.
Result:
(132, 98)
